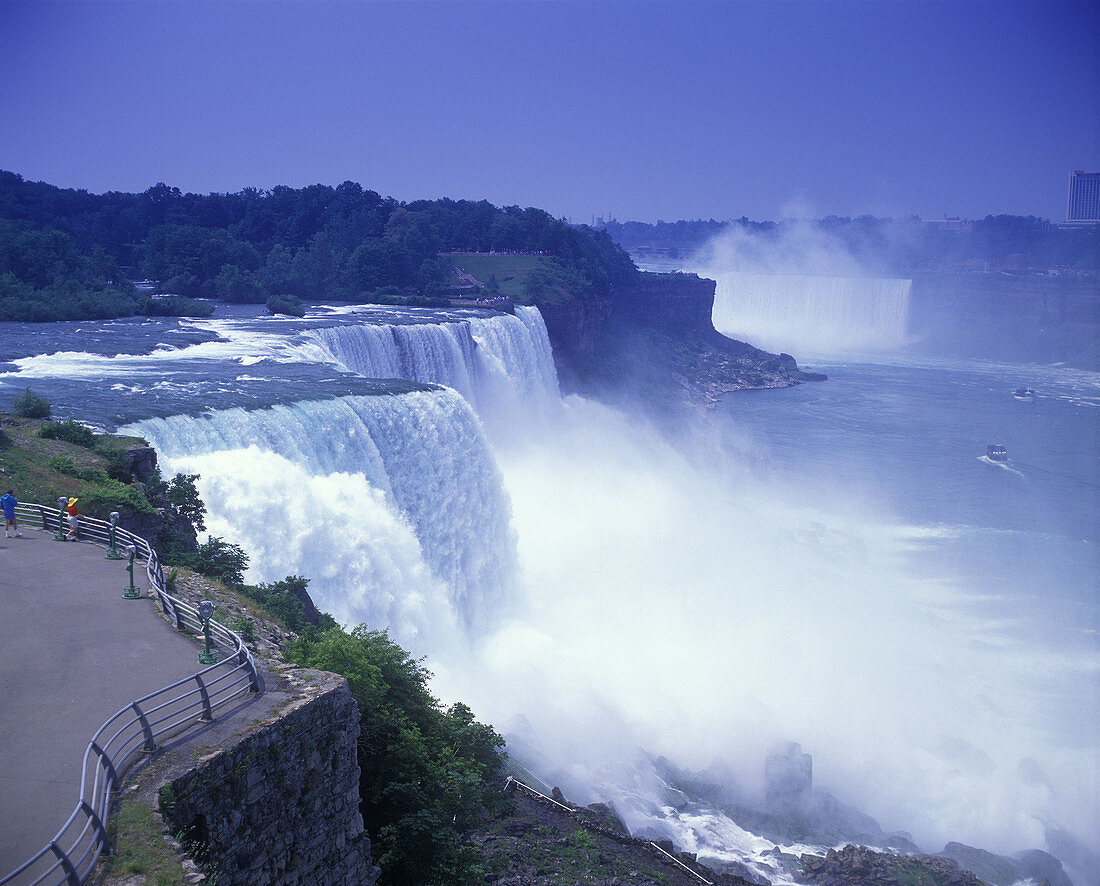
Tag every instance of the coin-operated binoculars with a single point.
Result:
(112, 551)
(208, 656)
(61, 502)
(133, 592)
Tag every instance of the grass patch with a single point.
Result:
(41, 468)
(140, 847)
(510, 270)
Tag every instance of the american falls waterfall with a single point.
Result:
(392, 505)
(799, 314)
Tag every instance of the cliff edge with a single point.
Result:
(653, 340)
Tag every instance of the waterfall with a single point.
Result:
(491, 361)
(803, 314)
(392, 505)
(431, 353)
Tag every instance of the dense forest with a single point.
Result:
(894, 246)
(69, 254)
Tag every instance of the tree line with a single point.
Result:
(70, 254)
(888, 245)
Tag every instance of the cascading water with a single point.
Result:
(431, 353)
(491, 361)
(417, 465)
(801, 314)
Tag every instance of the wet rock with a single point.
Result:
(1037, 864)
(994, 869)
(788, 778)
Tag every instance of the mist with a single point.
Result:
(800, 290)
(676, 602)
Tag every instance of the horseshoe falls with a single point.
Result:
(801, 314)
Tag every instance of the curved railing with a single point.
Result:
(70, 856)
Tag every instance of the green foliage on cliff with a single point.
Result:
(429, 773)
(46, 460)
(71, 254)
(215, 558)
(69, 430)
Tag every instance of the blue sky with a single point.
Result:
(644, 110)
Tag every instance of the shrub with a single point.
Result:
(283, 600)
(245, 627)
(62, 465)
(285, 304)
(69, 431)
(30, 405)
(216, 559)
(118, 460)
(155, 487)
(104, 495)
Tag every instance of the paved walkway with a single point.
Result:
(72, 653)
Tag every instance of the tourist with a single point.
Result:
(7, 504)
(74, 520)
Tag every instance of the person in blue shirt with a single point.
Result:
(7, 504)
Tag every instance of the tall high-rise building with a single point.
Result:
(1083, 198)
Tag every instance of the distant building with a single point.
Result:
(1083, 198)
(954, 225)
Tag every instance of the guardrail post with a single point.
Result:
(244, 658)
(109, 767)
(66, 865)
(177, 616)
(150, 743)
(207, 712)
(97, 822)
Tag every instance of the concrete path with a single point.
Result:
(72, 653)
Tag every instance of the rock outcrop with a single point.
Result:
(859, 866)
(653, 341)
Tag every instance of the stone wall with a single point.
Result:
(281, 805)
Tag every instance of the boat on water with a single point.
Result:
(996, 452)
(1024, 394)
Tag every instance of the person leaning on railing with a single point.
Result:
(74, 520)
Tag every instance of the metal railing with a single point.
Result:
(132, 732)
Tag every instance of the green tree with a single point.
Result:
(183, 495)
(30, 405)
(429, 774)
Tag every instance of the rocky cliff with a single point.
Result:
(653, 340)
